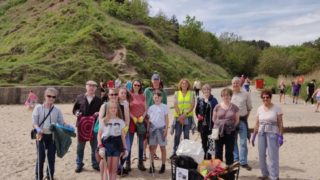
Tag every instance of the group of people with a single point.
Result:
(312, 92)
(145, 113)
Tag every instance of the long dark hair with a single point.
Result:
(140, 90)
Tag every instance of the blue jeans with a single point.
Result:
(178, 131)
(243, 145)
(45, 143)
(268, 143)
(80, 152)
(140, 146)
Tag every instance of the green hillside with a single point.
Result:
(66, 42)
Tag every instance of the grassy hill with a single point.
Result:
(66, 42)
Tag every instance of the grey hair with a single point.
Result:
(206, 86)
(52, 90)
(234, 79)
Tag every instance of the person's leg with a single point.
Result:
(243, 155)
(204, 143)
(219, 148)
(94, 144)
(131, 138)
(229, 142)
(273, 153)
(178, 131)
(152, 152)
(262, 148)
(163, 159)
(40, 160)
(140, 153)
(114, 162)
(186, 128)
(80, 152)
(51, 156)
(235, 148)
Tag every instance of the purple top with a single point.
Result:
(296, 88)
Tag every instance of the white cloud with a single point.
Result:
(283, 22)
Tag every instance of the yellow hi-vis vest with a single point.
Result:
(184, 103)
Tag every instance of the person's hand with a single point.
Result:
(39, 136)
(78, 113)
(165, 133)
(135, 120)
(181, 118)
(96, 114)
(140, 120)
(280, 139)
(102, 152)
(200, 117)
(125, 154)
(253, 139)
(38, 129)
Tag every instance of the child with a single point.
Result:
(157, 129)
(317, 94)
(111, 140)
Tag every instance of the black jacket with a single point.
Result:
(84, 107)
(205, 109)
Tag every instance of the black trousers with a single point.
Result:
(309, 97)
(204, 139)
(45, 143)
(228, 140)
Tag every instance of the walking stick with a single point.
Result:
(38, 159)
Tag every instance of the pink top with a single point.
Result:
(318, 94)
(137, 108)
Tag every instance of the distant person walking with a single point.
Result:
(246, 85)
(282, 91)
(269, 128)
(117, 83)
(197, 86)
(317, 95)
(86, 105)
(111, 84)
(310, 90)
(31, 100)
(295, 91)
(242, 100)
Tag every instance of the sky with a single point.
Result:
(280, 22)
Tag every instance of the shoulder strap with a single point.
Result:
(46, 116)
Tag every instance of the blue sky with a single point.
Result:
(280, 22)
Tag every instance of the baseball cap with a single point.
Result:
(90, 82)
(155, 77)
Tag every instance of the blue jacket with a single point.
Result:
(205, 109)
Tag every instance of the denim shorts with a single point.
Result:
(157, 137)
(113, 146)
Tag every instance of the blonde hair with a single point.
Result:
(108, 113)
(187, 81)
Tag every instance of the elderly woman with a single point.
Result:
(43, 116)
(269, 127)
(184, 102)
(225, 119)
(204, 109)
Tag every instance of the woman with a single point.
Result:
(225, 119)
(138, 110)
(43, 116)
(184, 102)
(269, 127)
(204, 109)
(31, 100)
(317, 95)
(282, 89)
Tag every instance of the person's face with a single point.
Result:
(184, 85)
(156, 83)
(206, 92)
(50, 97)
(266, 99)
(157, 99)
(123, 94)
(136, 86)
(226, 97)
(236, 85)
(91, 89)
(113, 110)
(113, 96)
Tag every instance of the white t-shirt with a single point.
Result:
(268, 117)
(113, 127)
(157, 115)
(89, 99)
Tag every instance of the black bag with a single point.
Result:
(34, 131)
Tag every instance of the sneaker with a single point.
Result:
(162, 169)
(141, 166)
(263, 177)
(78, 169)
(247, 167)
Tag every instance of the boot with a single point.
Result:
(162, 169)
(128, 166)
(151, 169)
(141, 166)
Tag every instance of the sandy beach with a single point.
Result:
(299, 156)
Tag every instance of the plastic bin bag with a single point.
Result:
(192, 149)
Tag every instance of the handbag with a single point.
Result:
(215, 133)
(96, 124)
(33, 133)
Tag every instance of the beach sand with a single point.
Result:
(299, 156)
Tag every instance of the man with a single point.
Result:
(243, 100)
(310, 90)
(87, 104)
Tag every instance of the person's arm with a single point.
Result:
(192, 104)
(175, 104)
(102, 113)
(126, 115)
(248, 104)
(214, 115)
(60, 118)
(35, 118)
(167, 125)
(99, 136)
(237, 119)
(123, 137)
(280, 123)
(76, 107)
(256, 127)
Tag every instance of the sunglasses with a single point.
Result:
(137, 85)
(115, 94)
(49, 96)
(265, 97)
